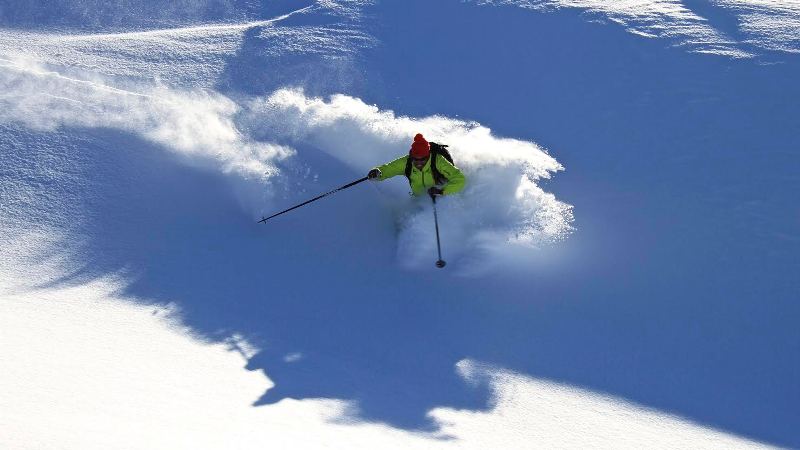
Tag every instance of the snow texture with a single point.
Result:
(621, 265)
(92, 369)
(762, 24)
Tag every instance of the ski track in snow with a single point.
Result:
(765, 24)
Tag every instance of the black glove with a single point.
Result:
(373, 174)
(435, 191)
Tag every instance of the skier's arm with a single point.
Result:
(455, 179)
(393, 168)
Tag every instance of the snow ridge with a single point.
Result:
(765, 24)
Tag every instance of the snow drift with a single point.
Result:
(762, 24)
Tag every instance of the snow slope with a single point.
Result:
(758, 25)
(644, 297)
(90, 368)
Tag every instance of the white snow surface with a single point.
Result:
(86, 368)
(762, 24)
(771, 24)
(183, 55)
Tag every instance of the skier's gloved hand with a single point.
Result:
(435, 191)
(374, 173)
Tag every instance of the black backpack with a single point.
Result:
(436, 149)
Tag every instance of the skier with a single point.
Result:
(436, 176)
(428, 167)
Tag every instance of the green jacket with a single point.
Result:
(421, 181)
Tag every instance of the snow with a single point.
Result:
(621, 266)
(85, 367)
(774, 25)
(763, 24)
(648, 18)
(506, 176)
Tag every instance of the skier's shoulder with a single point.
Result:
(442, 159)
(393, 168)
(397, 161)
(446, 167)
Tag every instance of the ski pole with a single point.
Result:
(265, 219)
(440, 263)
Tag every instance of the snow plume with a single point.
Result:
(501, 204)
(198, 125)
